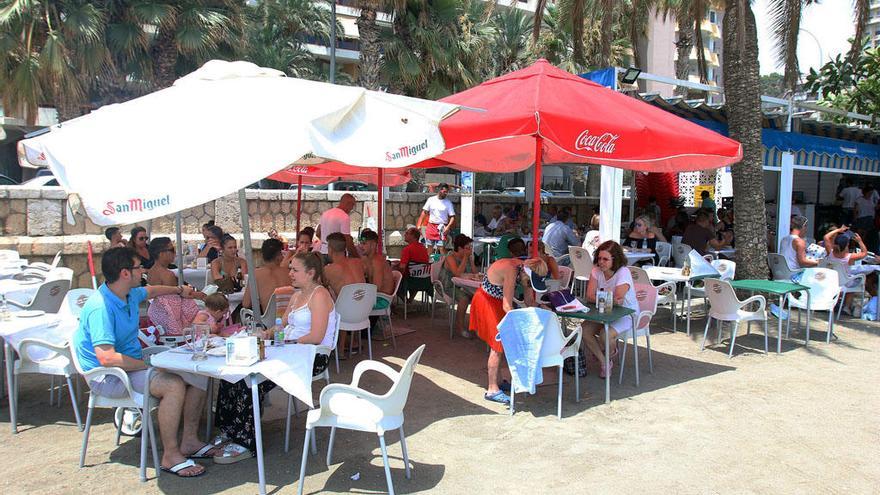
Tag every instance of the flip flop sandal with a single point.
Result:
(500, 397)
(202, 453)
(177, 468)
(233, 453)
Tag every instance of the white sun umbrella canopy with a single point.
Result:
(221, 128)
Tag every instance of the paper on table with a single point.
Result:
(700, 267)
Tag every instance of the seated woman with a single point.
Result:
(494, 299)
(172, 312)
(215, 314)
(644, 236)
(611, 274)
(228, 270)
(550, 261)
(211, 248)
(311, 319)
(838, 242)
(460, 263)
(138, 242)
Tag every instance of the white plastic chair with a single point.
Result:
(352, 408)
(726, 270)
(9, 255)
(46, 267)
(565, 275)
(664, 251)
(56, 363)
(555, 349)
(325, 375)
(74, 301)
(386, 312)
(143, 403)
(646, 295)
(591, 242)
(246, 315)
(666, 292)
(725, 306)
(779, 269)
(354, 304)
(680, 254)
(440, 295)
(824, 294)
(582, 262)
(849, 284)
(48, 298)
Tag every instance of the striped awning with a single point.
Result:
(823, 161)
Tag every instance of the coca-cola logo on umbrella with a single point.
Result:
(599, 143)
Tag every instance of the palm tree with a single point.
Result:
(51, 51)
(861, 11)
(742, 92)
(689, 16)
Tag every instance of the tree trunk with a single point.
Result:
(635, 33)
(793, 26)
(164, 57)
(742, 90)
(683, 47)
(67, 106)
(607, 33)
(369, 40)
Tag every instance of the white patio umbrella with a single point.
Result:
(221, 128)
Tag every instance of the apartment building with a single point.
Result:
(659, 53)
(873, 29)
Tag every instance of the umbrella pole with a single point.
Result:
(92, 266)
(177, 222)
(381, 220)
(248, 252)
(536, 208)
(299, 196)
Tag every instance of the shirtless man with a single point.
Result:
(376, 268)
(272, 275)
(342, 270)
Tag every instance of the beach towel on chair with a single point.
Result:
(521, 332)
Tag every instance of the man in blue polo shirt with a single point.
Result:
(108, 336)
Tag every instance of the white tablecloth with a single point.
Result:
(289, 367)
(666, 274)
(50, 327)
(632, 257)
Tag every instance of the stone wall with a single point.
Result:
(34, 221)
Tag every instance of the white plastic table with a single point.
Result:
(49, 327)
(633, 257)
(289, 367)
(20, 291)
(669, 274)
(717, 253)
(195, 277)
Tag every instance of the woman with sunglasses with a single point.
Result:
(645, 236)
(172, 312)
(611, 274)
(211, 248)
(138, 242)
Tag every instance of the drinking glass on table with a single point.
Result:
(199, 335)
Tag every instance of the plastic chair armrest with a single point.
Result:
(672, 286)
(102, 371)
(640, 316)
(329, 391)
(368, 365)
(26, 344)
(40, 266)
(573, 339)
(17, 304)
(25, 275)
(757, 298)
(151, 351)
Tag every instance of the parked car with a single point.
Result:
(521, 191)
(307, 187)
(562, 193)
(7, 181)
(40, 181)
(350, 185)
(488, 191)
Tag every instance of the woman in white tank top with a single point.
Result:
(310, 316)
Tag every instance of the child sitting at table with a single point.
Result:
(215, 314)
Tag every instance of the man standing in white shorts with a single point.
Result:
(440, 218)
(338, 220)
(108, 336)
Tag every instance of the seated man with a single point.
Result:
(794, 248)
(558, 236)
(108, 336)
(701, 236)
(272, 275)
(413, 252)
(342, 269)
(376, 269)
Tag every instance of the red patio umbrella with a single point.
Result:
(328, 172)
(542, 114)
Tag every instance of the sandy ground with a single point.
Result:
(804, 421)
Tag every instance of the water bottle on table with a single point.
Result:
(279, 332)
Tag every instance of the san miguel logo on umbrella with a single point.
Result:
(598, 143)
(406, 151)
(135, 204)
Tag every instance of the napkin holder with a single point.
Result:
(242, 351)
